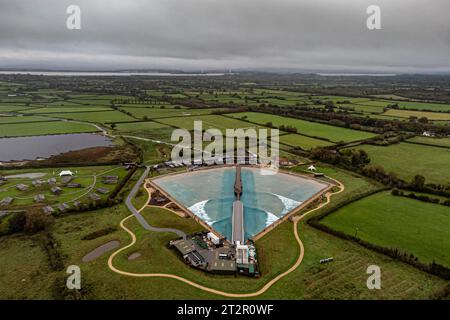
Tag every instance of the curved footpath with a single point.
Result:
(137, 214)
(145, 224)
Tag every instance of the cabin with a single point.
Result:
(6, 201)
(37, 183)
(103, 190)
(39, 198)
(66, 179)
(56, 190)
(74, 185)
(110, 179)
(95, 197)
(63, 207)
(22, 187)
(48, 210)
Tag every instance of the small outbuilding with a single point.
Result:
(56, 190)
(22, 187)
(6, 201)
(48, 210)
(39, 198)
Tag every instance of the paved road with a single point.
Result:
(139, 217)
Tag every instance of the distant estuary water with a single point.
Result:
(209, 194)
(31, 148)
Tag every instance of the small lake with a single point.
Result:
(30, 148)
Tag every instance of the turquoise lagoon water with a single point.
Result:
(209, 194)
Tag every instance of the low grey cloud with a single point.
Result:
(320, 35)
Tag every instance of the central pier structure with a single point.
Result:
(237, 233)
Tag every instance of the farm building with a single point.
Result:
(6, 201)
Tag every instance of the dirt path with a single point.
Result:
(215, 291)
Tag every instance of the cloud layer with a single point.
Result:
(297, 35)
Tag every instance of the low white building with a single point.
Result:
(213, 238)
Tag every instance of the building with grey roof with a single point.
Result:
(39, 198)
(6, 201)
(22, 187)
(56, 190)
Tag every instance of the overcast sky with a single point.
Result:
(297, 35)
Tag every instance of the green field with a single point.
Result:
(155, 113)
(20, 119)
(97, 117)
(306, 143)
(418, 114)
(44, 128)
(147, 129)
(408, 160)
(442, 142)
(314, 129)
(409, 105)
(208, 122)
(397, 222)
(72, 109)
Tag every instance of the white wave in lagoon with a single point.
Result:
(199, 210)
(289, 204)
(271, 218)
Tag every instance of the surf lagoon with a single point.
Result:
(209, 194)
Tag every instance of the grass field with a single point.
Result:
(44, 128)
(408, 160)
(408, 105)
(73, 109)
(306, 143)
(334, 134)
(208, 122)
(443, 142)
(20, 119)
(147, 129)
(155, 113)
(418, 114)
(397, 222)
(97, 117)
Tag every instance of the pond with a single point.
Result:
(31, 148)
